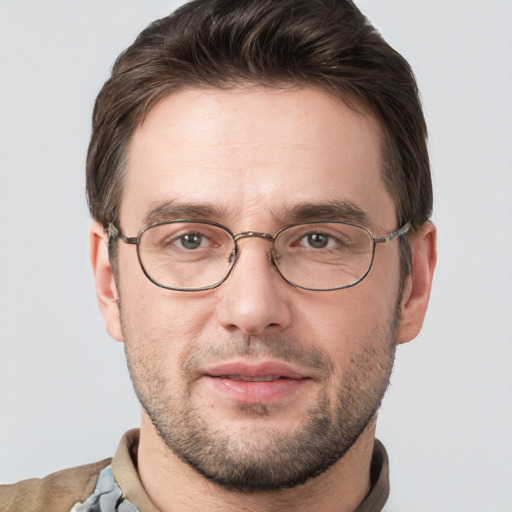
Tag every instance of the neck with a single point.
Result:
(173, 485)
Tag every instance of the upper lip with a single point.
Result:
(248, 370)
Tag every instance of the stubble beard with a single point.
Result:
(259, 458)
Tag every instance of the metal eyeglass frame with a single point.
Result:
(115, 233)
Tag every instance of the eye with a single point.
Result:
(190, 241)
(316, 240)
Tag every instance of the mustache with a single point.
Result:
(268, 346)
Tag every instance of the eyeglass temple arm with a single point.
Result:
(394, 234)
(114, 233)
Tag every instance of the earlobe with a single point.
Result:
(417, 288)
(106, 290)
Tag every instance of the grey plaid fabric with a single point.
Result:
(107, 496)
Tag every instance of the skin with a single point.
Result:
(253, 154)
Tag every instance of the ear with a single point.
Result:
(417, 287)
(106, 290)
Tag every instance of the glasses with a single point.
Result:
(188, 256)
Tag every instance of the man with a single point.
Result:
(260, 185)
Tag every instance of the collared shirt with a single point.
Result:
(113, 485)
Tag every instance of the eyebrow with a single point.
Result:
(339, 210)
(172, 210)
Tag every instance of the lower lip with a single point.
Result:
(256, 392)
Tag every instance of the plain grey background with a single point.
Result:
(65, 397)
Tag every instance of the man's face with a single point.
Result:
(257, 384)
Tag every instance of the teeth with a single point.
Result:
(264, 378)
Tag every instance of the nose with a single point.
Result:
(255, 298)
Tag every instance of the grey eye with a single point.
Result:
(191, 241)
(317, 240)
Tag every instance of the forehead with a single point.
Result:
(251, 151)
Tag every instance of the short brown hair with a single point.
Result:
(326, 44)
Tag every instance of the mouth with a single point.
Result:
(261, 383)
(263, 378)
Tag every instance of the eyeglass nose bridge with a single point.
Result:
(254, 234)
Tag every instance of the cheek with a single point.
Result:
(349, 316)
(165, 319)
(352, 321)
